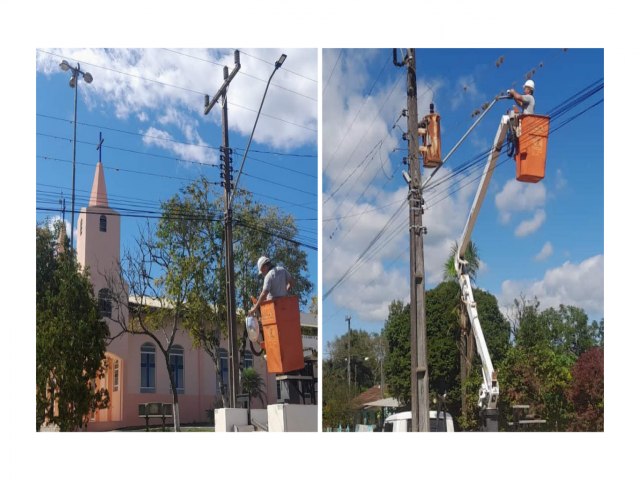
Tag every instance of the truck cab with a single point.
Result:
(401, 422)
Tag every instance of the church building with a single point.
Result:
(136, 372)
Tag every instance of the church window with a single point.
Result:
(103, 223)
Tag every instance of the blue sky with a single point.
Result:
(544, 240)
(148, 104)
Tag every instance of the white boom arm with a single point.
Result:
(489, 390)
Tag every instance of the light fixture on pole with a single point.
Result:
(73, 83)
(278, 64)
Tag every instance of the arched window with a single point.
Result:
(103, 223)
(176, 363)
(104, 302)
(147, 368)
(80, 227)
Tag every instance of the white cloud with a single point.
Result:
(519, 197)
(354, 125)
(195, 149)
(546, 252)
(561, 182)
(580, 285)
(527, 227)
(122, 86)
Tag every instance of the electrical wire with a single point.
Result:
(164, 84)
(363, 257)
(240, 73)
(202, 145)
(165, 157)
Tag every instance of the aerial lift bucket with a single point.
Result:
(531, 156)
(430, 133)
(282, 334)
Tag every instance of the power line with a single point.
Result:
(240, 72)
(333, 154)
(202, 94)
(166, 157)
(137, 172)
(151, 215)
(564, 107)
(201, 145)
(332, 70)
(313, 194)
(284, 69)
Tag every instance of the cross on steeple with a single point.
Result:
(99, 148)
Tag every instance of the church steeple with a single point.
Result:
(99, 190)
(98, 243)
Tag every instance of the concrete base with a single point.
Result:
(292, 418)
(228, 418)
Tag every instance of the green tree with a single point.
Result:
(538, 370)
(537, 376)
(336, 401)
(466, 341)
(442, 334)
(70, 337)
(258, 230)
(253, 386)
(363, 359)
(180, 264)
(336, 396)
(397, 363)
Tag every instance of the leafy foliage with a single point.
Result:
(586, 392)
(253, 384)
(537, 371)
(70, 338)
(180, 264)
(367, 350)
(397, 364)
(336, 401)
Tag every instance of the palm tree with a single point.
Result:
(466, 343)
(253, 386)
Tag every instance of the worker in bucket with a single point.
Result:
(526, 100)
(277, 282)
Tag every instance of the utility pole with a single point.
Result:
(419, 372)
(348, 320)
(227, 179)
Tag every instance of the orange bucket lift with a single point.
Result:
(282, 334)
(531, 155)
(430, 149)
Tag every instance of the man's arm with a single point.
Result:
(517, 97)
(261, 299)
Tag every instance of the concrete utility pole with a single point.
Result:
(419, 372)
(348, 320)
(227, 179)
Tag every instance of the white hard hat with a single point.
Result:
(262, 261)
(529, 83)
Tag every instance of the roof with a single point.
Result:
(383, 402)
(371, 395)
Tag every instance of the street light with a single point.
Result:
(278, 64)
(73, 83)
